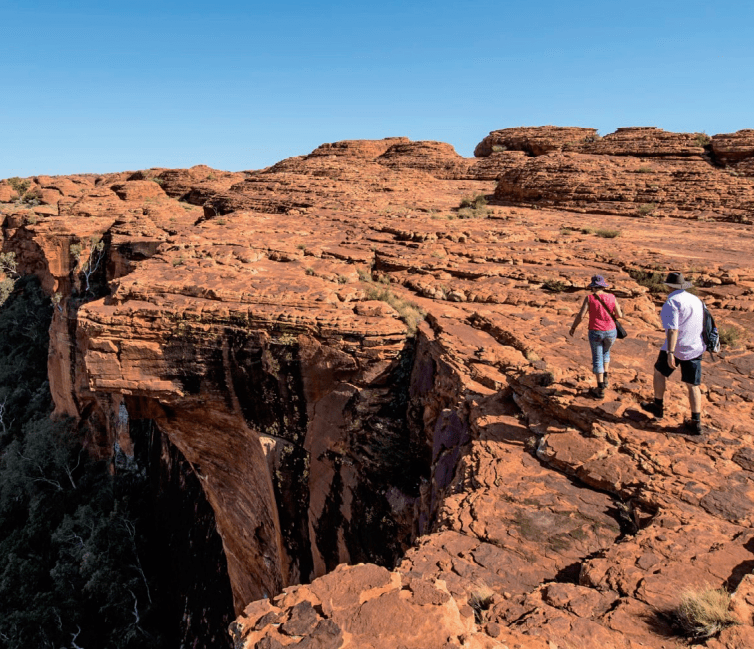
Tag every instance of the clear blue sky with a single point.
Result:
(107, 86)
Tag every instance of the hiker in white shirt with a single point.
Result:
(682, 318)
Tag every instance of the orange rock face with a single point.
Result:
(534, 140)
(359, 375)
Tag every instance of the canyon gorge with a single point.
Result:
(349, 380)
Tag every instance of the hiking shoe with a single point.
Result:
(598, 392)
(652, 408)
(693, 427)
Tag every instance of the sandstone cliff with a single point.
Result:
(360, 371)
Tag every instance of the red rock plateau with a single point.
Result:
(377, 391)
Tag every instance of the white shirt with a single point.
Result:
(684, 312)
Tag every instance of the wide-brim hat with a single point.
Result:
(598, 282)
(676, 280)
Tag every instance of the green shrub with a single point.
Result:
(474, 202)
(646, 209)
(702, 139)
(19, 185)
(645, 170)
(730, 335)
(607, 234)
(554, 286)
(473, 213)
(649, 279)
(499, 148)
(587, 230)
(409, 312)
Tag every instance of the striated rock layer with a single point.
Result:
(638, 171)
(358, 374)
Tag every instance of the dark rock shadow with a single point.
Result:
(741, 570)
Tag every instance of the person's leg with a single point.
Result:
(695, 399)
(607, 343)
(659, 383)
(691, 374)
(595, 342)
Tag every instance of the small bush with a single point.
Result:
(76, 249)
(473, 213)
(704, 613)
(730, 335)
(474, 202)
(645, 170)
(31, 197)
(19, 185)
(409, 312)
(554, 286)
(499, 148)
(646, 209)
(652, 280)
(587, 230)
(607, 234)
(702, 139)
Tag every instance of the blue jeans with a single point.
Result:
(601, 342)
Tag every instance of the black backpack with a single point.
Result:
(710, 334)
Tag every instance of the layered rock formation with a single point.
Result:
(634, 171)
(358, 375)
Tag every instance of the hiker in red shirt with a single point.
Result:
(602, 329)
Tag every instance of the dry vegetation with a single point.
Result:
(704, 613)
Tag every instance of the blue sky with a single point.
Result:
(109, 86)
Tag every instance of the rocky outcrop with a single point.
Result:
(641, 171)
(735, 151)
(356, 374)
(645, 142)
(731, 148)
(629, 185)
(436, 158)
(534, 140)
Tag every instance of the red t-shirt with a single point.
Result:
(599, 318)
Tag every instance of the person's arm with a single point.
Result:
(671, 335)
(579, 316)
(618, 311)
